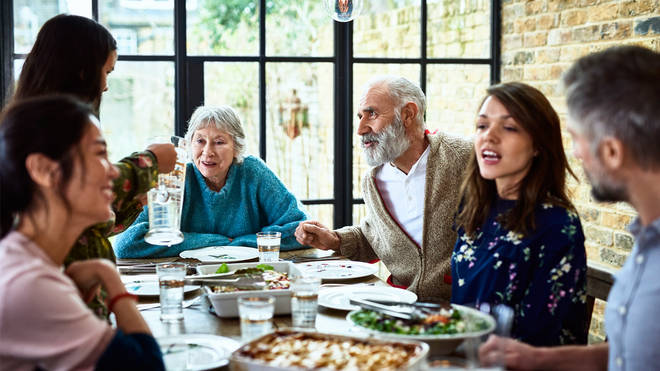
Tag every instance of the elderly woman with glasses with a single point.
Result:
(228, 197)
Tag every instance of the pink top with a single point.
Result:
(43, 319)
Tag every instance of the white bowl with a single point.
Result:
(225, 304)
(439, 344)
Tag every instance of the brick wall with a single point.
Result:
(540, 39)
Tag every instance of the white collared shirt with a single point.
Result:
(403, 195)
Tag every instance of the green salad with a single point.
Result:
(443, 322)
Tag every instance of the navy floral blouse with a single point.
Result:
(542, 276)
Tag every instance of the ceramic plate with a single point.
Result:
(222, 254)
(338, 270)
(339, 297)
(150, 288)
(196, 351)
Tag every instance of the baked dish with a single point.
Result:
(303, 350)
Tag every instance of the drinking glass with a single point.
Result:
(503, 316)
(268, 244)
(256, 314)
(166, 201)
(170, 281)
(304, 301)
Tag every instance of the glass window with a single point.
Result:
(236, 85)
(300, 126)
(299, 28)
(30, 15)
(361, 74)
(222, 27)
(454, 92)
(321, 213)
(141, 27)
(359, 213)
(138, 106)
(458, 29)
(388, 29)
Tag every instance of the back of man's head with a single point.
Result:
(401, 91)
(616, 93)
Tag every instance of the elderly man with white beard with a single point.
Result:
(411, 192)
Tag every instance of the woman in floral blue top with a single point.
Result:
(520, 241)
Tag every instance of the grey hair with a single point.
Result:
(402, 91)
(616, 92)
(222, 118)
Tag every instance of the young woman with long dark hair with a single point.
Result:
(520, 241)
(56, 181)
(74, 55)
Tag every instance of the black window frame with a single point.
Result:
(189, 83)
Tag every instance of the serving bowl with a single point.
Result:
(225, 304)
(305, 349)
(440, 344)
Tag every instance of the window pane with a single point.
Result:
(300, 126)
(361, 74)
(236, 85)
(138, 105)
(141, 27)
(30, 15)
(388, 29)
(321, 213)
(458, 29)
(222, 27)
(18, 67)
(359, 213)
(453, 95)
(298, 28)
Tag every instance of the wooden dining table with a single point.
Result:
(200, 319)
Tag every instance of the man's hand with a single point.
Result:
(314, 234)
(165, 156)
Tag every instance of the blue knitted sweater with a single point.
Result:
(252, 200)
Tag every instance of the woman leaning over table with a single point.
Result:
(74, 55)
(56, 181)
(228, 197)
(520, 241)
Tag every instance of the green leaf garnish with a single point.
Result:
(265, 267)
(223, 268)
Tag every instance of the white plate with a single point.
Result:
(339, 297)
(150, 288)
(337, 270)
(196, 351)
(222, 254)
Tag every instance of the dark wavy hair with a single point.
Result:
(546, 179)
(50, 125)
(67, 58)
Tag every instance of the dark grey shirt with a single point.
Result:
(633, 306)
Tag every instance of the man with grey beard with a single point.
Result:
(411, 192)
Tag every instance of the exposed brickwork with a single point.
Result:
(540, 40)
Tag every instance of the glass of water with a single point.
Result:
(170, 282)
(256, 314)
(166, 201)
(268, 244)
(304, 301)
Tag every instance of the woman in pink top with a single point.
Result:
(56, 181)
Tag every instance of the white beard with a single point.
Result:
(387, 145)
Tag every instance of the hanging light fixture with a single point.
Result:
(343, 10)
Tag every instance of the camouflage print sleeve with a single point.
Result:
(137, 174)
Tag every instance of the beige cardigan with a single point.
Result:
(421, 269)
